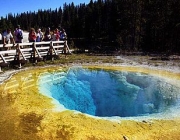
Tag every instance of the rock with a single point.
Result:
(125, 138)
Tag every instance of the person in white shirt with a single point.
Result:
(39, 35)
(8, 38)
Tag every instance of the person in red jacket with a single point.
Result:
(32, 35)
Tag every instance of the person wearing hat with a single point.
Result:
(18, 34)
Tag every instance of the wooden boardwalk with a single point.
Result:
(34, 51)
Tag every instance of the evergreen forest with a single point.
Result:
(131, 25)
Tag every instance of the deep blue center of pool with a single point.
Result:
(111, 93)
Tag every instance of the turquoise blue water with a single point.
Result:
(110, 93)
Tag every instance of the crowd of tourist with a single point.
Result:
(9, 37)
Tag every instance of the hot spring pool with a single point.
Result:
(107, 93)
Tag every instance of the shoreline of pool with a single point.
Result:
(32, 115)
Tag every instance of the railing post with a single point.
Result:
(18, 55)
(34, 52)
(18, 51)
(51, 50)
(66, 48)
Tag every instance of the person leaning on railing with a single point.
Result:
(8, 39)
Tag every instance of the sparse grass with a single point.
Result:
(78, 59)
(86, 58)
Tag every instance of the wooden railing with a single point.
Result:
(22, 52)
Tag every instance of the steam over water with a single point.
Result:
(110, 93)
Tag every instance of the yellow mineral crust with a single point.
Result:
(26, 114)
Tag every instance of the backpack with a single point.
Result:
(19, 35)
